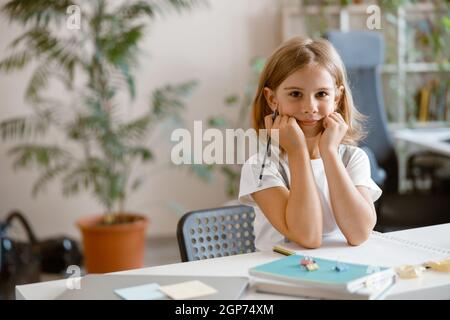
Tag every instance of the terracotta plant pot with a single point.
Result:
(116, 247)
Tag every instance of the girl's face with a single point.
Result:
(309, 95)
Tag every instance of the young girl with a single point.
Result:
(304, 86)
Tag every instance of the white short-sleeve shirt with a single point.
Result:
(266, 236)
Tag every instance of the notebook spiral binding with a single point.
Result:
(414, 244)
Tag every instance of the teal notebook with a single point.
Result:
(353, 278)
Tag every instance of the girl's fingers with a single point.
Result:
(337, 116)
(276, 123)
(326, 122)
(292, 120)
(268, 122)
(280, 121)
(329, 120)
(333, 116)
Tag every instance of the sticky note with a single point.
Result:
(143, 292)
(187, 290)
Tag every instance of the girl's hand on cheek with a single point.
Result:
(335, 129)
(290, 136)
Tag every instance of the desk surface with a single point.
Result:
(238, 266)
(436, 139)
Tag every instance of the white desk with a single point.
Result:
(410, 141)
(239, 264)
(435, 139)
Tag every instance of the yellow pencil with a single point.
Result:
(282, 250)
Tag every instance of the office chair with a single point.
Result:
(377, 173)
(216, 232)
(363, 54)
(428, 165)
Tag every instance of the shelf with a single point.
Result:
(429, 124)
(416, 67)
(293, 9)
(336, 9)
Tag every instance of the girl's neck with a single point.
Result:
(312, 144)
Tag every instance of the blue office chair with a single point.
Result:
(363, 54)
(216, 232)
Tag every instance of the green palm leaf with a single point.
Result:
(40, 12)
(39, 81)
(88, 174)
(129, 79)
(142, 152)
(25, 127)
(47, 176)
(135, 10)
(177, 5)
(135, 129)
(40, 43)
(42, 156)
(120, 47)
(16, 61)
(167, 101)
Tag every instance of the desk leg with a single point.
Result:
(403, 151)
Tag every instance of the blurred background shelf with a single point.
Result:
(416, 71)
(411, 58)
(417, 67)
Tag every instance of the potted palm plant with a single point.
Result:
(95, 62)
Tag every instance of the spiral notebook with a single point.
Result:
(380, 249)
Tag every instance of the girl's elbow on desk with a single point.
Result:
(307, 244)
(311, 243)
(360, 234)
(317, 243)
(356, 240)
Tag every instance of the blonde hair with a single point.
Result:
(295, 54)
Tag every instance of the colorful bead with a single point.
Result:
(340, 267)
(306, 261)
(312, 267)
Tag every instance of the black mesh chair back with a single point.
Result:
(216, 232)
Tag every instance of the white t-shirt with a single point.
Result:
(266, 236)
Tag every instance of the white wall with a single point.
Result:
(211, 44)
